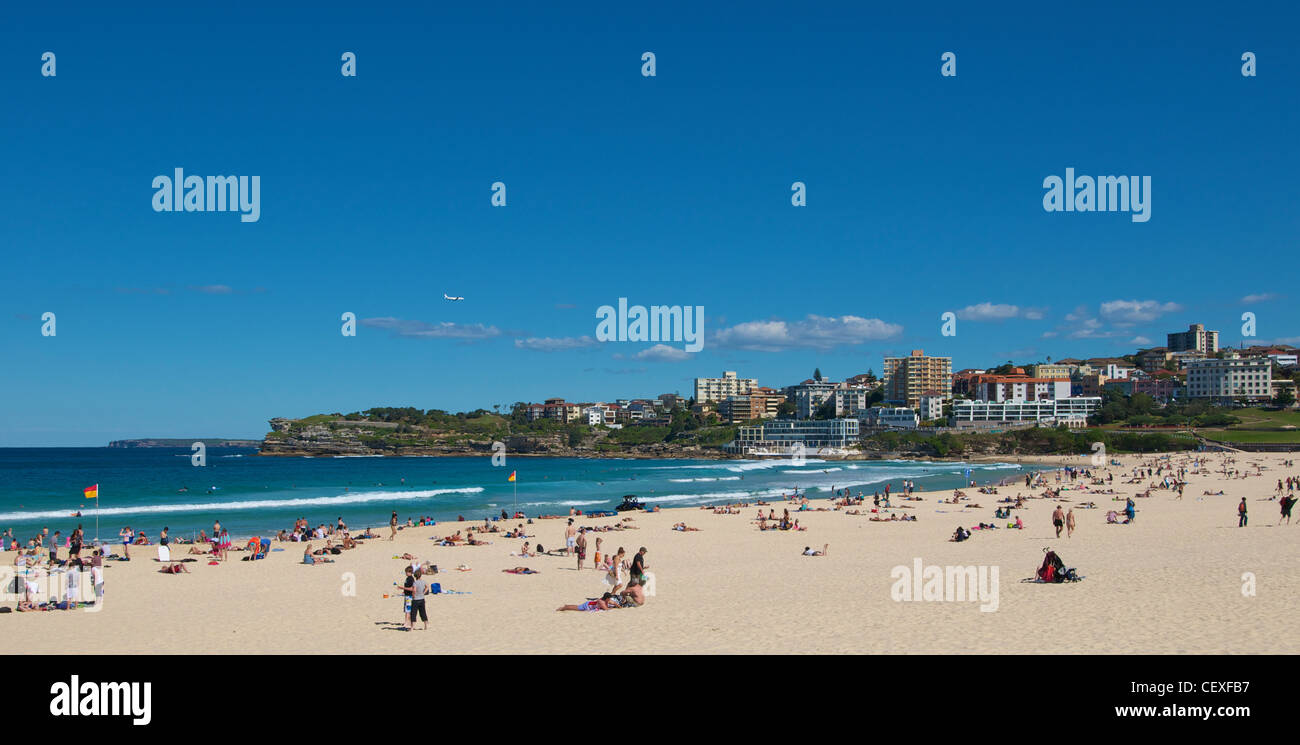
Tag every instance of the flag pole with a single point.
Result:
(97, 515)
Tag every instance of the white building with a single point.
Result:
(1011, 388)
(849, 401)
(808, 396)
(1073, 412)
(1234, 378)
(1117, 372)
(717, 389)
(932, 407)
(897, 417)
(787, 435)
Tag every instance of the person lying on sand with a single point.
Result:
(681, 527)
(175, 568)
(521, 570)
(589, 605)
(807, 550)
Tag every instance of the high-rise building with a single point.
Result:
(1195, 339)
(908, 378)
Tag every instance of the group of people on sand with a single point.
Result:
(44, 582)
(626, 580)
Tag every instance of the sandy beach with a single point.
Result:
(1171, 582)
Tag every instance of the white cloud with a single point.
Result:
(1258, 298)
(214, 289)
(424, 330)
(998, 312)
(662, 353)
(814, 332)
(1139, 340)
(1136, 311)
(547, 344)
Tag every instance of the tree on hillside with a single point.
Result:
(817, 375)
(1284, 398)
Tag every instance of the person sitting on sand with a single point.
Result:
(634, 595)
(310, 559)
(591, 605)
(807, 550)
(960, 534)
(525, 552)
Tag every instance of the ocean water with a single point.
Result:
(252, 495)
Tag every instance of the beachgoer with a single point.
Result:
(418, 588)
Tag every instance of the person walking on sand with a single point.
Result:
(1242, 519)
(127, 536)
(1058, 520)
(392, 525)
(570, 538)
(582, 548)
(1069, 523)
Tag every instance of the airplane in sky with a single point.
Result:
(445, 296)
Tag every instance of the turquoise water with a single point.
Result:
(252, 495)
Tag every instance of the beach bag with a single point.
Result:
(435, 588)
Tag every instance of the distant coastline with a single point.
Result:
(184, 442)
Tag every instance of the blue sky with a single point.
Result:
(924, 196)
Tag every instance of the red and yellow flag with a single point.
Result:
(512, 476)
(92, 492)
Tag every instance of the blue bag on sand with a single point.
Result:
(435, 588)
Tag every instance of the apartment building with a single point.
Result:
(1195, 339)
(556, 409)
(1072, 412)
(716, 389)
(908, 378)
(761, 404)
(1049, 370)
(809, 395)
(931, 407)
(1020, 388)
(1231, 379)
